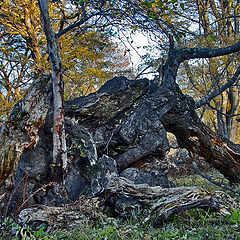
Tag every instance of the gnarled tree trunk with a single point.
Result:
(125, 121)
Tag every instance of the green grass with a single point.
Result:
(192, 224)
(197, 180)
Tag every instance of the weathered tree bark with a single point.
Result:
(145, 129)
(59, 163)
(65, 218)
(156, 205)
(119, 195)
(195, 136)
(103, 124)
(21, 129)
(168, 109)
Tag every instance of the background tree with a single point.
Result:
(14, 76)
(217, 27)
(23, 41)
(88, 60)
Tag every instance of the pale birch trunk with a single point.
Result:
(59, 141)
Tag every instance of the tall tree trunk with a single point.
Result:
(231, 110)
(59, 163)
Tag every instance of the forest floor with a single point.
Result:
(192, 224)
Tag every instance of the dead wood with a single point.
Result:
(21, 129)
(207, 204)
(156, 205)
(139, 130)
(128, 120)
(64, 218)
(197, 138)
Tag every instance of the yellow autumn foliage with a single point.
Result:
(86, 57)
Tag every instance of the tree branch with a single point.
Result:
(76, 24)
(192, 53)
(215, 93)
(230, 59)
(221, 112)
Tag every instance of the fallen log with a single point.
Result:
(156, 205)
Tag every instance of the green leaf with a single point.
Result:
(182, 6)
(160, 3)
(211, 38)
(147, 4)
(151, 15)
(180, 35)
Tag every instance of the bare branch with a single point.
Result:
(221, 112)
(223, 71)
(215, 93)
(193, 53)
(76, 24)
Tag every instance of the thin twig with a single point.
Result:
(216, 92)
(10, 198)
(225, 114)
(44, 186)
(141, 73)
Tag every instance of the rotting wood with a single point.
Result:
(141, 128)
(20, 131)
(156, 205)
